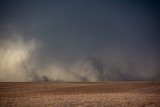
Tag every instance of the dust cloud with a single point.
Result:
(18, 64)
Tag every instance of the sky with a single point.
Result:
(79, 40)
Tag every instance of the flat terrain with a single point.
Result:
(84, 94)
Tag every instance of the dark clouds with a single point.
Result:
(112, 40)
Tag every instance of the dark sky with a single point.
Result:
(109, 39)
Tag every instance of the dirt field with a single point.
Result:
(108, 94)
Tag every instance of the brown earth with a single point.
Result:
(84, 94)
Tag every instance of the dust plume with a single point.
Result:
(22, 61)
(15, 54)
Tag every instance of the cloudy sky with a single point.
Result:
(79, 40)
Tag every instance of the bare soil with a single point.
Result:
(81, 94)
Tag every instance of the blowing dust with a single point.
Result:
(18, 64)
